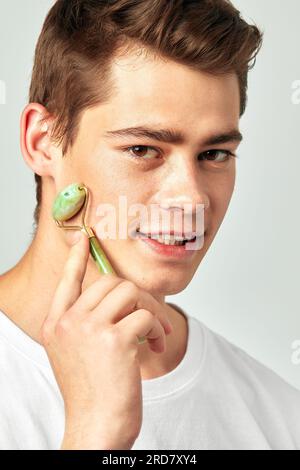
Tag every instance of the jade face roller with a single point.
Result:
(67, 204)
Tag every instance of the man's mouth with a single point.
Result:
(170, 238)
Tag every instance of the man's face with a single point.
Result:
(158, 95)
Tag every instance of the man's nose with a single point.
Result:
(184, 186)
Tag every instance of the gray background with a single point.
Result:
(247, 287)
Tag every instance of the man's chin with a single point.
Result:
(160, 285)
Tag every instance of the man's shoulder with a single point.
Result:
(249, 372)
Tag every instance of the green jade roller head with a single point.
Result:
(67, 204)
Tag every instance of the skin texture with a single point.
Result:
(197, 104)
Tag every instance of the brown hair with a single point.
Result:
(80, 38)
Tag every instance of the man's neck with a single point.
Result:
(26, 293)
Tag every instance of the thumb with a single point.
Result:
(70, 285)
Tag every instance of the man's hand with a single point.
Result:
(91, 339)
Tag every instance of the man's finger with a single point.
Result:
(141, 323)
(70, 285)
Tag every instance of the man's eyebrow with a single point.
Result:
(173, 137)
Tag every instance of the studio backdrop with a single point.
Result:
(247, 286)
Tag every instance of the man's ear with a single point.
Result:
(38, 150)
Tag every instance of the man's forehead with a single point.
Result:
(177, 101)
(159, 90)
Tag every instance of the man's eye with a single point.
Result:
(139, 152)
(146, 152)
(216, 155)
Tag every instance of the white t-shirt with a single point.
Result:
(218, 397)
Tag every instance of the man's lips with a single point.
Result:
(184, 250)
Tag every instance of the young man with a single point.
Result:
(139, 99)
